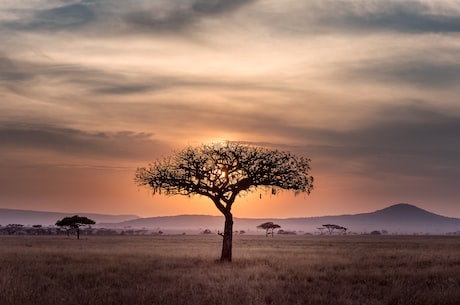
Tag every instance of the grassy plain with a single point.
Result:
(51, 270)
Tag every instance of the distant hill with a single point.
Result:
(401, 218)
(397, 219)
(9, 216)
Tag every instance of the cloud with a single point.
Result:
(367, 16)
(409, 140)
(126, 17)
(400, 16)
(10, 71)
(316, 17)
(63, 17)
(78, 143)
(58, 18)
(16, 73)
(436, 69)
(180, 15)
(21, 76)
(152, 21)
(210, 7)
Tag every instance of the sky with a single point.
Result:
(90, 90)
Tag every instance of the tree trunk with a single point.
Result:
(78, 233)
(227, 241)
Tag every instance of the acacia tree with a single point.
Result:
(331, 227)
(74, 222)
(269, 228)
(221, 172)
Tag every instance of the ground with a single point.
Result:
(184, 270)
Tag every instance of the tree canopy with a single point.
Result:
(331, 227)
(75, 222)
(222, 171)
(269, 227)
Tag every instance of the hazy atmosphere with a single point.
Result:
(368, 89)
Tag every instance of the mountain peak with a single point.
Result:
(406, 212)
(403, 207)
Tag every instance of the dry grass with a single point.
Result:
(183, 270)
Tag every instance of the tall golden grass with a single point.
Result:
(52, 270)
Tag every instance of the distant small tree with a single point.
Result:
(282, 232)
(269, 228)
(75, 222)
(222, 172)
(206, 232)
(331, 228)
(13, 228)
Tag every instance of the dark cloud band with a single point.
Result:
(78, 143)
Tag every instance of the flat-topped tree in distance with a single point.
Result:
(269, 228)
(331, 227)
(222, 171)
(75, 222)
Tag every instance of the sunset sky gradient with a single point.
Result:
(368, 89)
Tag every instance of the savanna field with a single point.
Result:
(51, 270)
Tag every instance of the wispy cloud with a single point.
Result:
(436, 68)
(310, 17)
(124, 17)
(59, 18)
(401, 132)
(367, 16)
(122, 145)
(400, 16)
